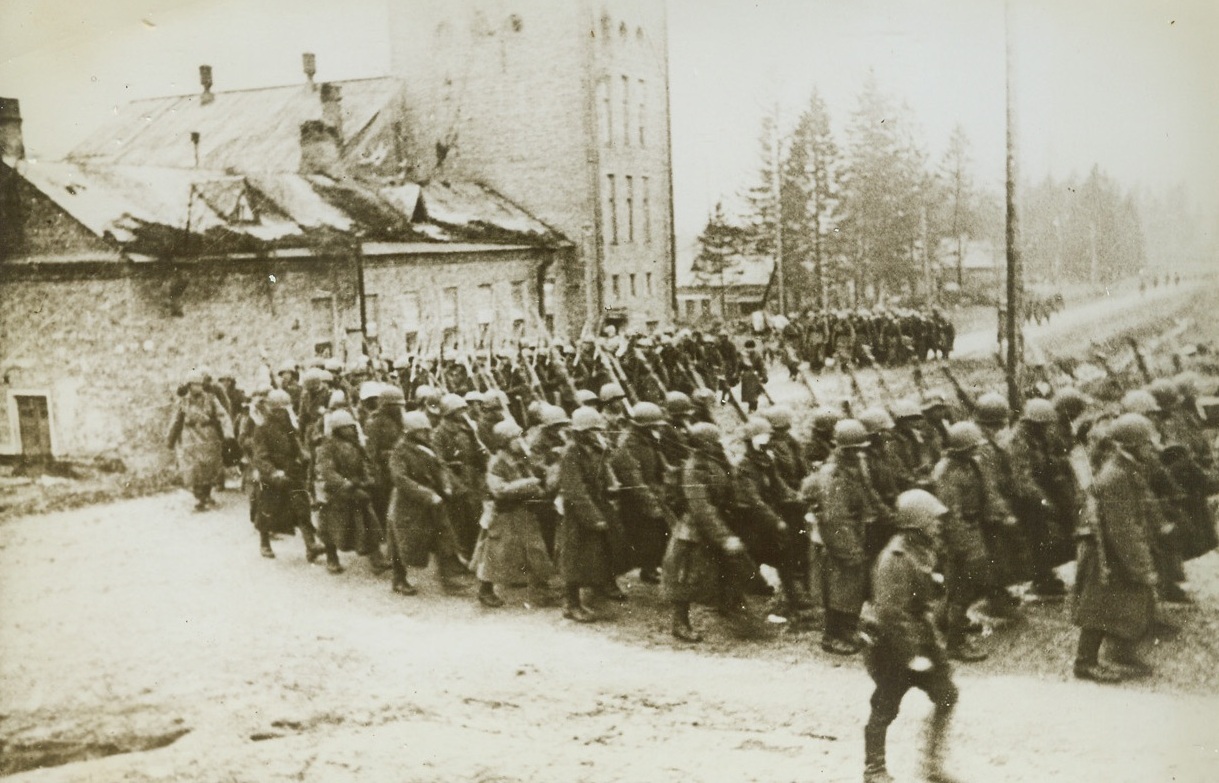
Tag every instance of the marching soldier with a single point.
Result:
(705, 563)
(821, 440)
(905, 649)
(343, 482)
(640, 465)
(546, 442)
(462, 451)
(200, 429)
(1005, 546)
(1115, 584)
(282, 467)
(419, 526)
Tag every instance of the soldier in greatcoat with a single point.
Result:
(343, 483)
(463, 452)
(1115, 583)
(590, 542)
(282, 465)
(640, 467)
(419, 526)
(199, 430)
(705, 563)
(511, 549)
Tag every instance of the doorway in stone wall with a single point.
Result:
(34, 429)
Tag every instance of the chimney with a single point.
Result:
(11, 144)
(309, 61)
(332, 107)
(205, 78)
(320, 149)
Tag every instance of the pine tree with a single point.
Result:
(957, 213)
(721, 246)
(809, 195)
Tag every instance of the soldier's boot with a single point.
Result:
(573, 607)
(933, 755)
(377, 561)
(681, 628)
(487, 596)
(1128, 661)
(313, 549)
(1087, 665)
(874, 770)
(332, 559)
(264, 544)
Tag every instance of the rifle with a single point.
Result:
(642, 358)
(1138, 358)
(614, 371)
(880, 376)
(962, 395)
(808, 385)
(856, 390)
(724, 388)
(919, 380)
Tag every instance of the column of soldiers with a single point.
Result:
(974, 506)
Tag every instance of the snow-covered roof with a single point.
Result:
(741, 270)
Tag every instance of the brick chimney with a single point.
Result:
(205, 78)
(320, 149)
(11, 143)
(332, 107)
(309, 62)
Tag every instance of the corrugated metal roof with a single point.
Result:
(244, 130)
(152, 210)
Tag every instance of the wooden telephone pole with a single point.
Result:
(1014, 267)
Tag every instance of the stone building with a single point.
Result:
(116, 278)
(563, 107)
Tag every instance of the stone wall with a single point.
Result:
(102, 340)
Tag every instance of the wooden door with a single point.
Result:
(34, 422)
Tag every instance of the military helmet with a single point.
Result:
(194, 377)
(963, 436)
(391, 395)
(452, 403)
(1131, 429)
(278, 398)
(506, 431)
(678, 403)
(495, 399)
(369, 390)
(906, 408)
(647, 414)
(704, 435)
(1165, 392)
(825, 417)
(779, 416)
(933, 400)
(473, 398)
(1139, 401)
(991, 409)
(416, 421)
(1187, 383)
(875, 420)
(552, 415)
(339, 418)
(1039, 411)
(338, 398)
(1070, 402)
(757, 426)
(585, 396)
(427, 394)
(332, 365)
(585, 419)
(918, 509)
(703, 396)
(286, 366)
(611, 392)
(850, 434)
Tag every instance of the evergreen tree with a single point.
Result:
(810, 192)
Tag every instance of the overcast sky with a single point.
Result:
(1130, 84)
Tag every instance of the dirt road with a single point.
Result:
(143, 620)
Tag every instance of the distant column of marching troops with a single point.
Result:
(904, 530)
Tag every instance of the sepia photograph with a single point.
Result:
(585, 391)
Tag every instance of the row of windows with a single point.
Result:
(607, 26)
(615, 229)
(632, 280)
(622, 105)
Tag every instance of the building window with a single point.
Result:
(485, 305)
(612, 206)
(690, 308)
(626, 110)
(448, 308)
(606, 111)
(323, 325)
(634, 293)
(372, 315)
(605, 26)
(646, 184)
(616, 286)
(647, 281)
(642, 112)
(630, 208)
(706, 307)
(518, 294)
(517, 23)
(622, 29)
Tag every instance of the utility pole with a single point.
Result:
(1014, 270)
(778, 186)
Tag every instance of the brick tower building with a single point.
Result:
(562, 106)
